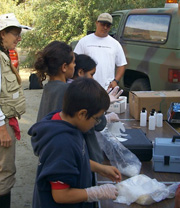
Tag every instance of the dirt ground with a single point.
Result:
(26, 162)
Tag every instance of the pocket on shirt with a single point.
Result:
(11, 83)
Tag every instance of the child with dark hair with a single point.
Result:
(57, 61)
(85, 66)
(64, 170)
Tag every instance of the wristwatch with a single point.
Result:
(116, 81)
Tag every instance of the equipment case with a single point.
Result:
(166, 154)
(139, 144)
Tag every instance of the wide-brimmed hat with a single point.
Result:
(105, 17)
(8, 20)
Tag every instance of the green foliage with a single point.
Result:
(65, 20)
(7, 6)
(23, 11)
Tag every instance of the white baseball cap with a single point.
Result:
(105, 17)
(8, 20)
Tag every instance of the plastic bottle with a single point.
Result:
(143, 117)
(145, 111)
(154, 112)
(159, 119)
(152, 121)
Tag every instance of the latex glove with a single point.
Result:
(106, 191)
(112, 117)
(114, 94)
(116, 129)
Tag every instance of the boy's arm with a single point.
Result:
(91, 194)
(106, 191)
(108, 171)
(69, 195)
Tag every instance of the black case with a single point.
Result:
(139, 144)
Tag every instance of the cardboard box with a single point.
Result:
(118, 107)
(158, 100)
(166, 154)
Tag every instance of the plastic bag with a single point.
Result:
(119, 156)
(143, 190)
(116, 129)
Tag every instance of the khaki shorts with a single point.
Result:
(7, 164)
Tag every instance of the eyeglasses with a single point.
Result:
(98, 120)
(104, 24)
(17, 35)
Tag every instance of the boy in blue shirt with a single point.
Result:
(64, 170)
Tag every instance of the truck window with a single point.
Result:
(147, 27)
(115, 25)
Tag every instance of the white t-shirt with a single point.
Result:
(106, 52)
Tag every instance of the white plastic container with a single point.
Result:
(159, 119)
(119, 106)
(154, 112)
(152, 121)
(143, 117)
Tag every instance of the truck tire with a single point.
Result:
(140, 85)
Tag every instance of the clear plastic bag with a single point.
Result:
(144, 190)
(119, 156)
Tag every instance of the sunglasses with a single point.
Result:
(17, 35)
(104, 24)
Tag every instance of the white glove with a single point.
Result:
(116, 129)
(106, 191)
(112, 117)
(114, 94)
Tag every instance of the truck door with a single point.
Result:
(116, 29)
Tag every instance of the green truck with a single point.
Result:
(151, 42)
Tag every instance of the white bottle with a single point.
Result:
(152, 121)
(143, 117)
(159, 119)
(154, 112)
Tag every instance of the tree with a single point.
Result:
(7, 6)
(69, 20)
